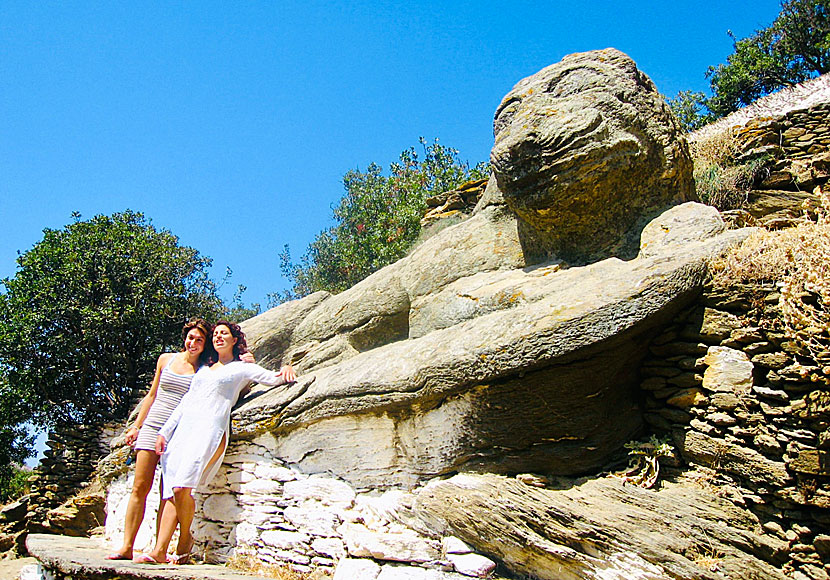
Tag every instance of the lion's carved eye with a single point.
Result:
(505, 114)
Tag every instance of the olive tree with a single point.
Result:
(85, 316)
(377, 220)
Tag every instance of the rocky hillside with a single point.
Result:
(460, 412)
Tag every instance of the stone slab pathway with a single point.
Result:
(84, 558)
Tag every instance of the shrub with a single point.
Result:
(720, 179)
(14, 483)
(377, 220)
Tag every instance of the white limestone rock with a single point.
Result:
(326, 490)
(261, 487)
(246, 533)
(729, 370)
(473, 565)
(397, 572)
(316, 522)
(380, 511)
(331, 547)
(274, 472)
(453, 545)
(285, 540)
(356, 569)
(222, 508)
(239, 476)
(362, 542)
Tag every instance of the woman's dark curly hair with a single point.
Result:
(204, 327)
(241, 346)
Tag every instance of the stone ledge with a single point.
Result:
(84, 559)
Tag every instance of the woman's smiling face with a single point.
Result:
(223, 340)
(194, 342)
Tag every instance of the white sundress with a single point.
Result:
(194, 431)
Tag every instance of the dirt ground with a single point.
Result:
(10, 569)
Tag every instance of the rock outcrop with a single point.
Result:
(586, 153)
(602, 529)
(438, 362)
(465, 391)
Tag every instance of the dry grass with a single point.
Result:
(707, 557)
(721, 181)
(252, 565)
(798, 260)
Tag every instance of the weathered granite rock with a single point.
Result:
(466, 395)
(586, 153)
(78, 515)
(732, 458)
(15, 510)
(602, 529)
(438, 362)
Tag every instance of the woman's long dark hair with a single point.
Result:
(241, 346)
(206, 329)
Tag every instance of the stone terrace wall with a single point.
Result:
(783, 103)
(68, 465)
(797, 134)
(750, 405)
(261, 506)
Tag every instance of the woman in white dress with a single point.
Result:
(193, 440)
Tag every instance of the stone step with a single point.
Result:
(84, 559)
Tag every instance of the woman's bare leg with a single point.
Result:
(165, 529)
(164, 505)
(186, 506)
(145, 469)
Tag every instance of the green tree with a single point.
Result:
(688, 108)
(377, 220)
(16, 443)
(86, 314)
(238, 310)
(794, 48)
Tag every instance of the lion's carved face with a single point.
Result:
(584, 149)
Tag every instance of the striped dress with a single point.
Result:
(172, 388)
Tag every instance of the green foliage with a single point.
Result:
(794, 48)
(376, 221)
(13, 482)
(86, 314)
(644, 467)
(238, 311)
(15, 443)
(688, 108)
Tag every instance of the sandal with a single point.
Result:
(180, 559)
(117, 556)
(148, 559)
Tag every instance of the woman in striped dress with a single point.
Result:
(174, 372)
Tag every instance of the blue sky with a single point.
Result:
(231, 124)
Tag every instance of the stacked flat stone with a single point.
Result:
(258, 505)
(754, 407)
(67, 466)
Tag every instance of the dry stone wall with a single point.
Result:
(68, 465)
(752, 407)
(259, 505)
(797, 134)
